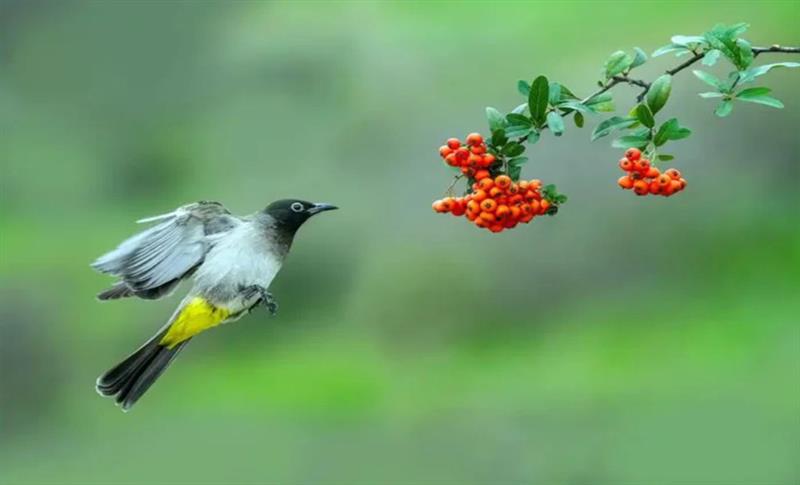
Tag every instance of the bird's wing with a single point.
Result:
(170, 250)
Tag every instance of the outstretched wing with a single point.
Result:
(151, 263)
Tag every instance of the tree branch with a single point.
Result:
(624, 79)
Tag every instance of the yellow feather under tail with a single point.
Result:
(196, 316)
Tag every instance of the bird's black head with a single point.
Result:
(290, 214)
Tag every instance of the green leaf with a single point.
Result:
(724, 39)
(644, 115)
(520, 109)
(711, 57)
(533, 137)
(555, 122)
(631, 141)
(753, 92)
(658, 94)
(724, 108)
(578, 118)
(745, 52)
(667, 49)
(671, 130)
(566, 94)
(495, 119)
(664, 157)
(687, 40)
(538, 99)
(518, 131)
(575, 105)
(754, 72)
(639, 58)
(518, 125)
(515, 172)
(763, 99)
(513, 149)
(617, 63)
(614, 123)
(712, 94)
(499, 137)
(555, 93)
(518, 119)
(601, 102)
(524, 88)
(709, 79)
(517, 161)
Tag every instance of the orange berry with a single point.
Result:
(535, 184)
(664, 180)
(673, 174)
(488, 216)
(474, 139)
(478, 149)
(667, 190)
(536, 206)
(543, 206)
(496, 228)
(643, 165)
(478, 195)
(526, 218)
(474, 161)
(653, 187)
(472, 215)
(531, 195)
(451, 160)
(626, 165)
(453, 143)
(488, 205)
(512, 189)
(480, 222)
(633, 154)
(445, 150)
(435, 205)
(676, 185)
(448, 203)
(516, 212)
(526, 209)
(481, 175)
(462, 154)
(683, 182)
(488, 159)
(495, 191)
(523, 185)
(626, 182)
(473, 206)
(503, 181)
(485, 183)
(502, 211)
(652, 172)
(469, 172)
(515, 199)
(641, 187)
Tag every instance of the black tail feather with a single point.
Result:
(131, 378)
(119, 290)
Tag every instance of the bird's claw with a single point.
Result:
(264, 298)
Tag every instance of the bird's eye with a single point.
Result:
(297, 207)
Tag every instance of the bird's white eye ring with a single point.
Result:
(297, 207)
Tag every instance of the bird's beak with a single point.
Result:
(321, 207)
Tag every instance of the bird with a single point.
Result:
(231, 259)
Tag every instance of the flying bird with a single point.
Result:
(232, 261)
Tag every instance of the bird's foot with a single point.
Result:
(264, 297)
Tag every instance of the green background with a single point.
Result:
(625, 341)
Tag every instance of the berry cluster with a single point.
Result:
(472, 158)
(499, 203)
(646, 179)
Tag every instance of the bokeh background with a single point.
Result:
(625, 341)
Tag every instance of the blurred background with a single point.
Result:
(627, 340)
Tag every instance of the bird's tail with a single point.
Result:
(130, 379)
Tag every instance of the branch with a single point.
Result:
(624, 79)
